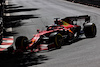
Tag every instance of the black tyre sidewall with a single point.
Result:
(90, 30)
(21, 42)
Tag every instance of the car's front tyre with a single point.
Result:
(21, 43)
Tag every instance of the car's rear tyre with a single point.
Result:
(21, 43)
(58, 41)
(90, 30)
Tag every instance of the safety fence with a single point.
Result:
(95, 3)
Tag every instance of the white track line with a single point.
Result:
(4, 46)
(8, 41)
(9, 36)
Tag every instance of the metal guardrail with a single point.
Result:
(95, 3)
(1, 19)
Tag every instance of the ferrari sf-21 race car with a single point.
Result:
(63, 30)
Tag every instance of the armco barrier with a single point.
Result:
(1, 30)
(94, 3)
(1, 19)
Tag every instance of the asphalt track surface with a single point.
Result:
(30, 15)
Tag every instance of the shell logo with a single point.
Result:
(33, 40)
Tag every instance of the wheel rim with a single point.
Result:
(59, 40)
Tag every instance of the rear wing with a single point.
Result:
(75, 18)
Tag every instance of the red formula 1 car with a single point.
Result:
(64, 30)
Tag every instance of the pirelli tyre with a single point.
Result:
(21, 43)
(58, 41)
(90, 30)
